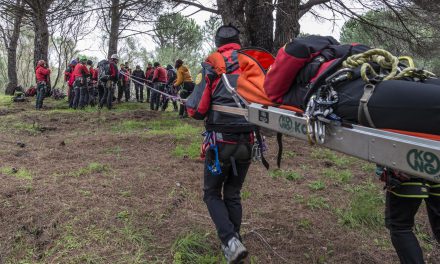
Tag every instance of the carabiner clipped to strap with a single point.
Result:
(215, 168)
(211, 141)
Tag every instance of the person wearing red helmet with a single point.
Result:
(42, 74)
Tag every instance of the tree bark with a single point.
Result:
(233, 12)
(12, 53)
(287, 23)
(114, 28)
(41, 41)
(259, 24)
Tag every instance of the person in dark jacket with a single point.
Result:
(169, 88)
(42, 73)
(138, 77)
(159, 81)
(228, 143)
(109, 85)
(123, 84)
(404, 196)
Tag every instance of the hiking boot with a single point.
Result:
(235, 252)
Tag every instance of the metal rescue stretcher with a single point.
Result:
(413, 155)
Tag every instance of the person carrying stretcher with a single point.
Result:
(357, 84)
(228, 142)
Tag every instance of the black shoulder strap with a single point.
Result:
(280, 149)
(260, 142)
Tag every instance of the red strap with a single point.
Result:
(415, 134)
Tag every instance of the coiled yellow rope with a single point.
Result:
(386, 61)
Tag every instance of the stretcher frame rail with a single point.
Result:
(415, 156)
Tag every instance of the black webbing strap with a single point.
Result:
(260, 143)
(280, 149)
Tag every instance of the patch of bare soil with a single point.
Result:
(102, 196)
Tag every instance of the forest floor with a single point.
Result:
(125, 186)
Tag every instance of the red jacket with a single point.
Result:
(93, 73)
(149, 74)
(68, 72)
(42, 74)
(160, 75)
(80, 71)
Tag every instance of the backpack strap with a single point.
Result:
(216, 59)
(222, 64)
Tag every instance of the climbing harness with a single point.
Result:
(403, 186)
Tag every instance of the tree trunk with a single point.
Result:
(287, 22)
(41, 41)
(12, 53)
(232, 12)
(259, 22)
(114, 28)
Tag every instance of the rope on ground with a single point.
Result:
(268, 246)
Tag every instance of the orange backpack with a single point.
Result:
(254, 64)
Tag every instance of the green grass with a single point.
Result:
(125, 194)
(192, 248)
(5, 100)
(365, 207)
(368, 167)
(85, 193)
(129, 126)
(316, 185)
(20, 173)
(289, 154)
(245, 194)
(191, 151)
(289, 175)
(331, 156)
(74, 244)
(304, 223)
(91, 168)
(123, 215)
(341, 176)
(168, 125)
(317, 202)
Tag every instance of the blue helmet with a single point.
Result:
(74, 62)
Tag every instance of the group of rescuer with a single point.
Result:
(89, 86)
(229, 139)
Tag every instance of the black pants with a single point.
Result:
(124, 90)
(139, 91)
(101, 91)
(222, 192)
(149, 84)
(71, 96)
(399, 219)
(107, 97)
(83, 96)
(92, 95)
(41, 93)
(186, 91)
(155, 96)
